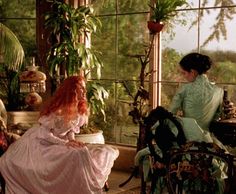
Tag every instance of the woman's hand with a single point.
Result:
(75, 144)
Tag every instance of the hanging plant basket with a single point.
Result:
(155, 27)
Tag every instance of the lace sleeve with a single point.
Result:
(53, 129)
(61, 129)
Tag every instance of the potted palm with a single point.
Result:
(11, 63)
(69, 55)
(11, 60)
(161, 12)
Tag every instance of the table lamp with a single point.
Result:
(32, 81)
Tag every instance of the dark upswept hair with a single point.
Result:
(199, 62)
(163, 136)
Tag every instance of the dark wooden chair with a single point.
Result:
(198, 167)
(185, 167)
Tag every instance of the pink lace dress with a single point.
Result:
(40, 162)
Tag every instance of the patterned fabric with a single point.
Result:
(40, 162)
(193, 133)
(201, 100)
(200, 167)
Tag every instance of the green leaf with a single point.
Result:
(11, 49)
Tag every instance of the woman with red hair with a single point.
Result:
(47, 158)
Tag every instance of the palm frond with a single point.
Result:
(11, 50)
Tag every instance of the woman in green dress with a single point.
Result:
(200, 102)
(199, 99)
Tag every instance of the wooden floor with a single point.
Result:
(116, 178)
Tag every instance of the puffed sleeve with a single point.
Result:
(79, 121)
(49, 137)
(59, 131)
(50, 131)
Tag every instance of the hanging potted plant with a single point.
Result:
(68, 55)
(161, 12)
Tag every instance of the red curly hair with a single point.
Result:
(69, 100)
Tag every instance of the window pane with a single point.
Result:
(193, 3)
(102, 7)
(223, 40)
(105, 42)
(181, 40)
(221, 48)
(132, 39)
(224, 70)
(133, 6)
(170, 65)
(168, 91)
(211, 3)
(16, 9)
(25, 30)
(217, 3)
(126, 129)
(20, 18)
(129, 39)
(182, 37)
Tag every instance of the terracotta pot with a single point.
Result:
(154, 27)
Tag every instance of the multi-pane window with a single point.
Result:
(20, 18)
(17, 19)
(125, 34)
(207, 30)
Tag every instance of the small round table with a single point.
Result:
(225, 131)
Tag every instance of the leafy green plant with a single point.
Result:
(69, 55)
(164, 10)
(11, 50)
(96, 95)
(11, 60)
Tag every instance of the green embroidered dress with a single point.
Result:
(200, 100)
